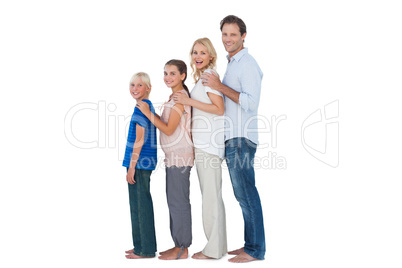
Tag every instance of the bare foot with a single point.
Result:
(242, 257)
(133, 256)
(201, 256)
(173, 254)
(166, 251)
(129, 251)
(236, 252)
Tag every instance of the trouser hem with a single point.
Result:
(213, 255)
(144, 254)
(254, 254)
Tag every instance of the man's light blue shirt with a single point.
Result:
(242, 75)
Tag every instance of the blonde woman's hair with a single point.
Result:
(211, 50)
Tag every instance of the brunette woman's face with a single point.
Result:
(172, 76)
(200, 56)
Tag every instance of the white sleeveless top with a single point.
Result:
(207, 129)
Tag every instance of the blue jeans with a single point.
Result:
(240, 160)
(142, 214)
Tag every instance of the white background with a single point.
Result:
(65, 206)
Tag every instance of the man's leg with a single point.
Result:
(240, 158)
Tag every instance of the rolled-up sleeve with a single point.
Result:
(250, 80)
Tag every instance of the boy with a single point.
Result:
(140, 159)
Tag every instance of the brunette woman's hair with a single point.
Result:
(182, 67)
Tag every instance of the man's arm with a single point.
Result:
(250, 81)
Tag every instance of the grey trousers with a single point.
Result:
(178, 199)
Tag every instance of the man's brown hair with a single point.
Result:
(232, 19)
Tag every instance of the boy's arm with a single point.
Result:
(139, 142)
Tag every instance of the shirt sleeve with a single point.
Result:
(139, 118)
(250, 80)
(208, 89)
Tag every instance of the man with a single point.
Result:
(241, 87)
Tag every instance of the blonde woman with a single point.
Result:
(208, 139)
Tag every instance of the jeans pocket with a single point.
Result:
(231, 147)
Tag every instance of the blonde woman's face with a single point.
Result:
(200, 56)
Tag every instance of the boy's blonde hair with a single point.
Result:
(144, 77)
(211, 50)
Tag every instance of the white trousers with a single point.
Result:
(209, 170)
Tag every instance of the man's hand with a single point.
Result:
(211, 80)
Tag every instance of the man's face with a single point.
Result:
(232, 39)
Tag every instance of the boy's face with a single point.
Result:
(139, 90)
(232, 38)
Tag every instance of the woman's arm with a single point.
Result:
(174, 118)
(139, 142)
(217, 106)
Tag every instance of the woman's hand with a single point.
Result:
(181, 98)
(144, 107)
(130, 175)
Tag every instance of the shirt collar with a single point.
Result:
(238, 55)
